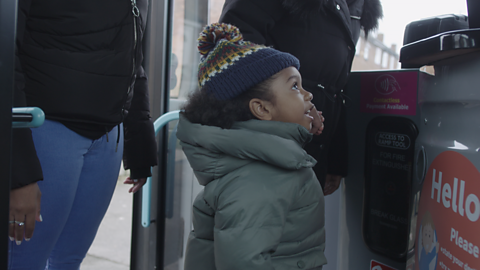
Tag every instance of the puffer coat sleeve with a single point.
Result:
(140, 152)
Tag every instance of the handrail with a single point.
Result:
(147, 188)
(27, 117)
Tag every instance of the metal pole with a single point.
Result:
(473, 7)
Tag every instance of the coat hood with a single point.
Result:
(214, 152)
(369, 12)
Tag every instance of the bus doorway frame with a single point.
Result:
(8, 18)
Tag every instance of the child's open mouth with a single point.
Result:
(307, 113)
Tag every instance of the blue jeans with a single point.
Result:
(80, 175)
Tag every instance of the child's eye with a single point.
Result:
(295, 86)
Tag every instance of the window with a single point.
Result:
(393, 62)
(366, 50)
(216, 7)
(190, 16)
(385, 59)
(378, 56)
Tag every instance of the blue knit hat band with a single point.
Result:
(248, 72)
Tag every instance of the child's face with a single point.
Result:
(292, 102)
(427, 236)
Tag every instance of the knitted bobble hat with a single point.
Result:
(230, 66)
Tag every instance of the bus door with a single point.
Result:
(171, 62)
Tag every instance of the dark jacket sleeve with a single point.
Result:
(254, 18)
(140, 153)
(26, 167)
(338, 149)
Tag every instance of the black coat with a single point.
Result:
(80, 62)
(319, 33)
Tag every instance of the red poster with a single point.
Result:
(374, 265)
(448, 227)
(389, 93)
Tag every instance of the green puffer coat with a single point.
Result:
(262, 206)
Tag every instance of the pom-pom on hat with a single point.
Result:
(230, 66)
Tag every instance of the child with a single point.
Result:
(262, 206)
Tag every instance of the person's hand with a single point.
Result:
(332, 182)
(317, 124)
(24, 210)
(137, 183)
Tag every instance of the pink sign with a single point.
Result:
(389, 92)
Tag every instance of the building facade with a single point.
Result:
(372, 54)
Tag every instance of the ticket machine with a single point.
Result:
(382, 121)
(411, 197)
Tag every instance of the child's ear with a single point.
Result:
(261, 109)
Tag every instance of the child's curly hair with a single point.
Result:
(203, 108)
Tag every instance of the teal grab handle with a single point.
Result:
(147, 188)
(37, 117)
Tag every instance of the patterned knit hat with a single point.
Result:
(230, 66)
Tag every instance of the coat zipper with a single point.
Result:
(136, 14)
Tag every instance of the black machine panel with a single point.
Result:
(389, 159)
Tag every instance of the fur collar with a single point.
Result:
(372, 10)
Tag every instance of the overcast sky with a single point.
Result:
(399, 13)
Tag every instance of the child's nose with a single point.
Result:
(308, 96)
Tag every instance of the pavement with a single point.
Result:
(111, 247)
